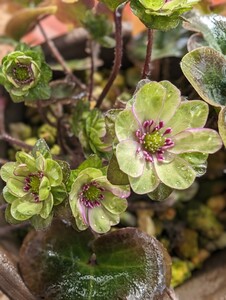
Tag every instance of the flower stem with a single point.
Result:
(59, 57)
(118, 54)
(147, 64)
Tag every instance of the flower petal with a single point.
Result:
(16, 187)
(114, 204)
(23, 210)
(172, 101)
(177, 174)
(197, 140)
(44, 189)
(98, 220)
(7, 170)
(47, 206)
(9, 198)
(190, 114)
(122, 191)
(21, 170)
(126, 125)
(54, 172)
(147, 182)
(130, 162)
(77, 185)
(113, 219)
(149, 101)
(25, 158)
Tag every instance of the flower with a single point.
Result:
(162, 139)
(33, 187)
(25, 75)
(95, 202)
(161, 14)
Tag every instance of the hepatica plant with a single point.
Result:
(161, 136)
(25, 75)
(152, 144)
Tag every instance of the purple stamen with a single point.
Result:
(149, 128)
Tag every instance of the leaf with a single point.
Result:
(22, 20)
(41, 147)
(110, 118)
(222, 124)
(212, 27)
(161, 192)
(125, 264)
(61, 89)
(114, 174)
(172, 43)
(205, 68)
(113, 4)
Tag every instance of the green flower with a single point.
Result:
(34, 185)
(161, 14)
(25, 75)
(162, 140)
(95, 202)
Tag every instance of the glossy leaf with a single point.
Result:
(161, 192)
(41, 147)
(213, 29)
(124, 264)
(205, 68)
(222, 125)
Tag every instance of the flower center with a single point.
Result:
(22, 73)
(91, 194)
(32, 183)
(153, 140)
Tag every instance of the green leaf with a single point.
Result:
(222, 124)
(114, 174)
(198, 161)
(113, 4)
(61, 89)
(161, 192)
(68, 266)
(59, 194)
(212, 27)
(110, 118)
(65, 167)
(41, 147)
(205, 68)
(39, 223)
(21, 21)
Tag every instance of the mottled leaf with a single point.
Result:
(41, 147)
(124, 264)
(222, 124)
(205, 68)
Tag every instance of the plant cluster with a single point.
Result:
(93, 154)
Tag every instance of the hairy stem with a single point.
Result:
(118, 54)
(147, 64)
(59, 57)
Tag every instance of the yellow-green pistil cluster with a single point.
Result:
(22, 73)
(153, 140)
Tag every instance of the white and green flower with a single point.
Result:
(161, 139)
(95, 202)
(34, 185)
